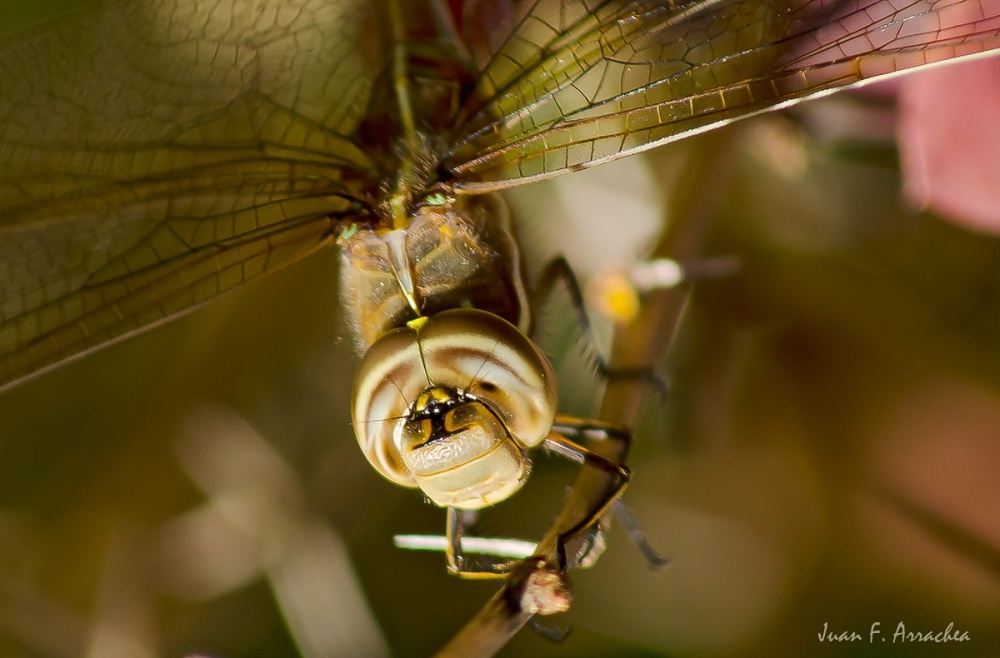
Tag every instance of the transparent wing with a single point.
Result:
(154, 155)
(574, 83)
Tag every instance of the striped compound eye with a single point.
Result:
(450, 403)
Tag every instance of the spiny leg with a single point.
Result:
(573, 427)
(638, 537)
(558, 270)
(487, 566)
(467, 566)
(556, 634)
(582, 428)
(620, 473)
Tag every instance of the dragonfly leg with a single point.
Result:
(559, 270)
(620, 474)
(468, 566)
(484, 566)
(580, 428)
(638, 537)
(574, 428)
(556, 634)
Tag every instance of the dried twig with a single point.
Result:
(535, 587)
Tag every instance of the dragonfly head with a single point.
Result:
(451, 404)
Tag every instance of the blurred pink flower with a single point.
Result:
(949, 141)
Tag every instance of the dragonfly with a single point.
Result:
(157, 155)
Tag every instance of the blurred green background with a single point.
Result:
(828, 453)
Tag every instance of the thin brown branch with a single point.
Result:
(534, 587)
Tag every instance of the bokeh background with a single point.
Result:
(828, 453)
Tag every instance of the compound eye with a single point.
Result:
(391, 376)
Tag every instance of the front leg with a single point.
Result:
(468, 566)
(488, 566)
(620, 477)
(575, 429)
(595, 430)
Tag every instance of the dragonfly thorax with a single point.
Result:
(450, 403)
(458, 254)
